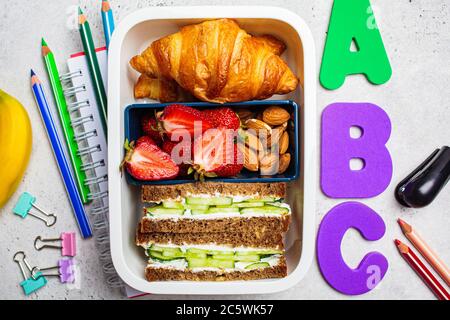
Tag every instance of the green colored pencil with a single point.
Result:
(64, 117)
(94, 69)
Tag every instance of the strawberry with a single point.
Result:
(146, 161)
(223, 117)
(216, 154)
(180, 158)
(231, 169)
(150, 128)
(178, 118)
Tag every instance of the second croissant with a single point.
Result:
(214, 61)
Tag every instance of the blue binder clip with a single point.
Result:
(26, 203)
(29, 284)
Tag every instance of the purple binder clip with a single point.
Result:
(68, 244)
(65, 267)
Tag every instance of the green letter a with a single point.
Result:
(353, 22)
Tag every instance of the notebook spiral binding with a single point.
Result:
(99, 208)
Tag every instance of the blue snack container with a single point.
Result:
(134, 113)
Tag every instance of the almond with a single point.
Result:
(244, 114)
(252, 140)
(275, 116)
(258, 125)
(285, 159)
(269, 164)
(284, 142)
(251, 162)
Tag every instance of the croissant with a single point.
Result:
(217, 61)
(160, 89)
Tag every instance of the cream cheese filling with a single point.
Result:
(181, 264)
(188, 214)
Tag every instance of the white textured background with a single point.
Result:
(416, 34)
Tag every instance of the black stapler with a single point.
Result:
(422, 185)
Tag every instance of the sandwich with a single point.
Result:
(226, 257)
(215, 207)
(209, 231)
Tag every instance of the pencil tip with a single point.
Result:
(404, 226)
(80, 11)
(397, 242)
(32, 73)
(43, 43)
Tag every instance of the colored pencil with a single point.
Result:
(58, 151)
(64, 117)
(426, 251)
(413, 260)
(108, 21)
(94, 68)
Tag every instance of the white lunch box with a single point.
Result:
(131, 37)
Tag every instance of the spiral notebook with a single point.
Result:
(93, 151)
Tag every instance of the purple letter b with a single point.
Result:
(340, 149)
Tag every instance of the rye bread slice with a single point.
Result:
(170, 274)
(157, 193)
(256, 225)
(266, 240)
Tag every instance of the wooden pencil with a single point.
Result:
(64, 116)
(94, 68)
(58, 151)
(422, 271)
(108, 21)
(425, 250)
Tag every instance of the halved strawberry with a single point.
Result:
(216, 154)
(233, 168)
(146, 161)
(181, 155)
(223, 117)
(150, 127)
(177, 119)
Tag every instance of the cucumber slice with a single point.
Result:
(246, 253)
(250, 204)
(190, 255)
(244, 205)
(173, 205)
(223, 210)
(223, 264)
(249, 258)
(194, 212)
(222, 253)
(223, 257)
(160, 210)
(197, 262)
(196, 207)
(159, 256)
(265, 210)
(156, 248)
(213, 201)
(258, 265)
(172, 252)
(196, 250)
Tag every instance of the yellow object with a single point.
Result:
(15, 145)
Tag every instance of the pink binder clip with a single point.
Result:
(66, 271)
(68, 244)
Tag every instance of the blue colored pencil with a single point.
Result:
(108, 21)
(58, 151)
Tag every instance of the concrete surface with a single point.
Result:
(416, 35)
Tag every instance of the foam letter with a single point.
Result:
(338, 180)
(336, 272)
(353, 22)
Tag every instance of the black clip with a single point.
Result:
(422, 185)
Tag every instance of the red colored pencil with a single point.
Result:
(413, 260)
